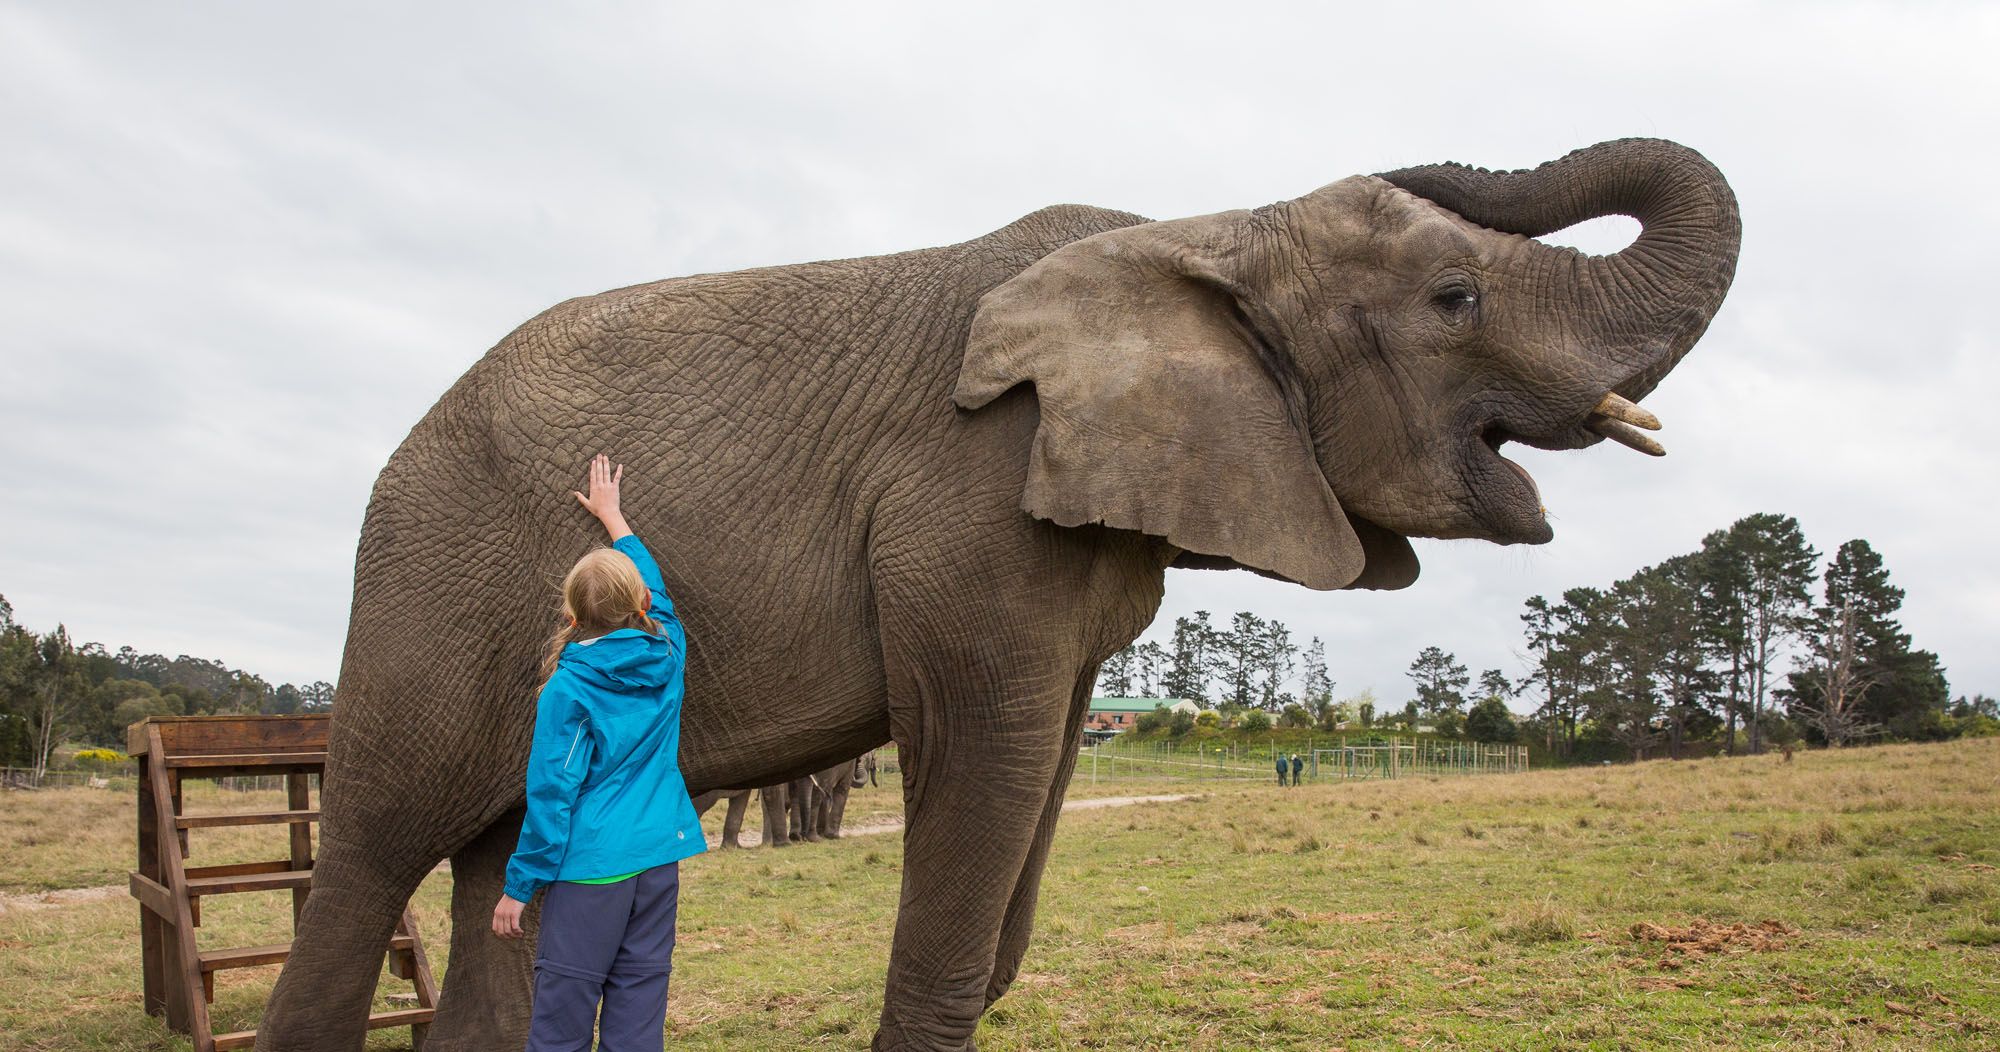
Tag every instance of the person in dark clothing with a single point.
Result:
(1281, 768)
(1298, 768)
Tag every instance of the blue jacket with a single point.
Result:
(605, 795)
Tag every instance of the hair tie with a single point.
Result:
(572, 620)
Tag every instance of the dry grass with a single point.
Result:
(1845, 901)
(73, 838)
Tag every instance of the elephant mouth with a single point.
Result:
(1512, 503)
(1514, 507)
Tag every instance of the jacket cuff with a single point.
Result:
(520, 891)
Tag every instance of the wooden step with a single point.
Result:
(248, 759)
(254, 956)
(237, 883)
(378, 1021)
(244, 818)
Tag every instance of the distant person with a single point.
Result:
(1282, 768)
(608, 818)
(1298, 768)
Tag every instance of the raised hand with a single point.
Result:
(602, 498)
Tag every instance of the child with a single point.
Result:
(608, 816)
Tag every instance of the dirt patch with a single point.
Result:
(42, 900)
(1704, 937)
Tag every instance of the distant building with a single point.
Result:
(1120, 714)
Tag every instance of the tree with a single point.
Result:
(1257, 722)
(1490, 721)
(1767, 568)
(316, 696)
(56, 692)
(1149, 663)
(1241, 656)
(1275, 658)
(1440, 681)
(1114, 677)
(1181, 722)
(1835, 677)
(1294, 715)
(1190, 659)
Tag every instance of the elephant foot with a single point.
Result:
(728, 845)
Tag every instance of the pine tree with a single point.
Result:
(1770, 573)
(1440, 681)
(1191, 659)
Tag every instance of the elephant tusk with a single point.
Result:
(1618, 407)
(1625, 435)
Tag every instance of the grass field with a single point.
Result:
(1844, 901)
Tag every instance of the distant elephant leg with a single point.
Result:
(732, 821)
(1020, 921)
(836, 802)
(805, 826)
(486, 1005)
(776, 816)
(983, 745)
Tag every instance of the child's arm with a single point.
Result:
(557, 762)
(602, 501)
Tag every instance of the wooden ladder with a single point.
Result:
(180, 976)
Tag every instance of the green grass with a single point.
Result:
(1492, 913)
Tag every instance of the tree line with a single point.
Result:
(55, 690)
(1743, 643)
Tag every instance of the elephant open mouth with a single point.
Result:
(1516, 508)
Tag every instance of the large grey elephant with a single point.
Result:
(920, 497)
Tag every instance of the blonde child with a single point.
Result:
(608, 815)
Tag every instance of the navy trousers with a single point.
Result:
(608, 944)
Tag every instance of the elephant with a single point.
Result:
(732, 819)
(864, 770)
(807, 809)
(920, 497)
(829, 799)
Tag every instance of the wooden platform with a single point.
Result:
(179, 976)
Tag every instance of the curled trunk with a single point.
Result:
(1647, 304)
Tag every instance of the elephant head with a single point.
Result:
(1299, 388)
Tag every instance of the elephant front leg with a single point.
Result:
(1019, 923)
(486, 1001)
(974, 795)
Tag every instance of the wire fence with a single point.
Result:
(123, 781)
(1317, 759)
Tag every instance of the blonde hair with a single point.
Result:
(602, 593)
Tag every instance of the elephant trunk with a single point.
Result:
(1647, 304)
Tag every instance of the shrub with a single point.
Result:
(1257, 722)
(99, 759)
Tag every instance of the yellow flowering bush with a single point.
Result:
(100, 759)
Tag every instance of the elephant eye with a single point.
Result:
(1456, 300)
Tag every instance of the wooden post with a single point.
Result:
(298, 796)
(152, 937)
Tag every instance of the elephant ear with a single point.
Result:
(1162, 407)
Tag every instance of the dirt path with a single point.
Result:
(41, 900)
(753, 838)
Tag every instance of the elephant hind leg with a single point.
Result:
(732, 820)
(487, 1003)
(321, 1000)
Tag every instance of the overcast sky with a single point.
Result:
(244, 246)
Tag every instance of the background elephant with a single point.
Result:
(829, 799)
(732, 820)
(922, 496)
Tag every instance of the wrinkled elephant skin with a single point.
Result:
(920, 497)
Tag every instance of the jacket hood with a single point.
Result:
(623, 661)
